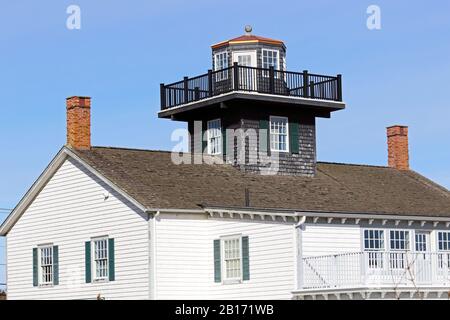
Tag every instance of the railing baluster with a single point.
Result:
(311, 90)
(236, 76)
(271, 79)
(186, 93)
(162, 90)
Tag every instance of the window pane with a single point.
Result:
(443, 240)
(46, 265)
(232, 258)
(101, 258)
(214, 137)
(278, 134)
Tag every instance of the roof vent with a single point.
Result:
(248, 30)
(247, 197)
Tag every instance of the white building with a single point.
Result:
(130, 224)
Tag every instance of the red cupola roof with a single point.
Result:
(248, 38)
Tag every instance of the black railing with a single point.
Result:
(242, 78)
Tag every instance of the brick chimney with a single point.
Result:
(79, 122)
(398, 155)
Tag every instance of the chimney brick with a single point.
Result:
(398, 154)
(79, 122)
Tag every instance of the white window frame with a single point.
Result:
(218, 137)
(278, 134)
(225, 278)
(40, 266)
(443, 252)
(221, 75)
(397, 257)
(408, 239)
(375, 257)
(276, 66)
(94, 260)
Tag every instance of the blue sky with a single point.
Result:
(396, 75)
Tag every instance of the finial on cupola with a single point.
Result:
(248, 30)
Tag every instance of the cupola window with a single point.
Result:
(220, 63)
(270, 58)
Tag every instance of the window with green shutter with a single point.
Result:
(224, 140)
(55, 265)
(111, 260)
(35, 268)
(293, 136)
(263, 136)
(217, 261)
(203, 138)
(231, 259)
(245, 259)
(87, 261)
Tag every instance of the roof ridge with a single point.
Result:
(355, 164)
(131, 149)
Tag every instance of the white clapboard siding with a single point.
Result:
(185, 266)
(321, 239)
(68, 211)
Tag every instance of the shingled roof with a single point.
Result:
(152, 179)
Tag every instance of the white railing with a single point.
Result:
(376, 269)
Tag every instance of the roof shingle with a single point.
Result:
(155, 181)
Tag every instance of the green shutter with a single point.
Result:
(35, 267)
(217, 267)
(55, 265)
(224, 141)
(263, 136)
(87, 261)
(245, 259)
(112, 270)
(293, 137)
(203, 137)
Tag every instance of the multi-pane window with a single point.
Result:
(444, 245)
(270, 58)
(373, 239)
(46, 265)
(214, 137)
(100, 251)
(221, 62)
(279, 134)
(374, 244)
(421, 242)
(232, 258)
(399, 240)
(444, 241)
(399, 243)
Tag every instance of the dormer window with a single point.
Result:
(214, 135)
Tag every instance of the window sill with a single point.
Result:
(231, 281)
(100, 280)
(279, 151)
(46, 285)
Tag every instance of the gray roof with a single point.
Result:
(152, 179)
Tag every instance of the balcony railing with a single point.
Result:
(250, 79)
(377, 269)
